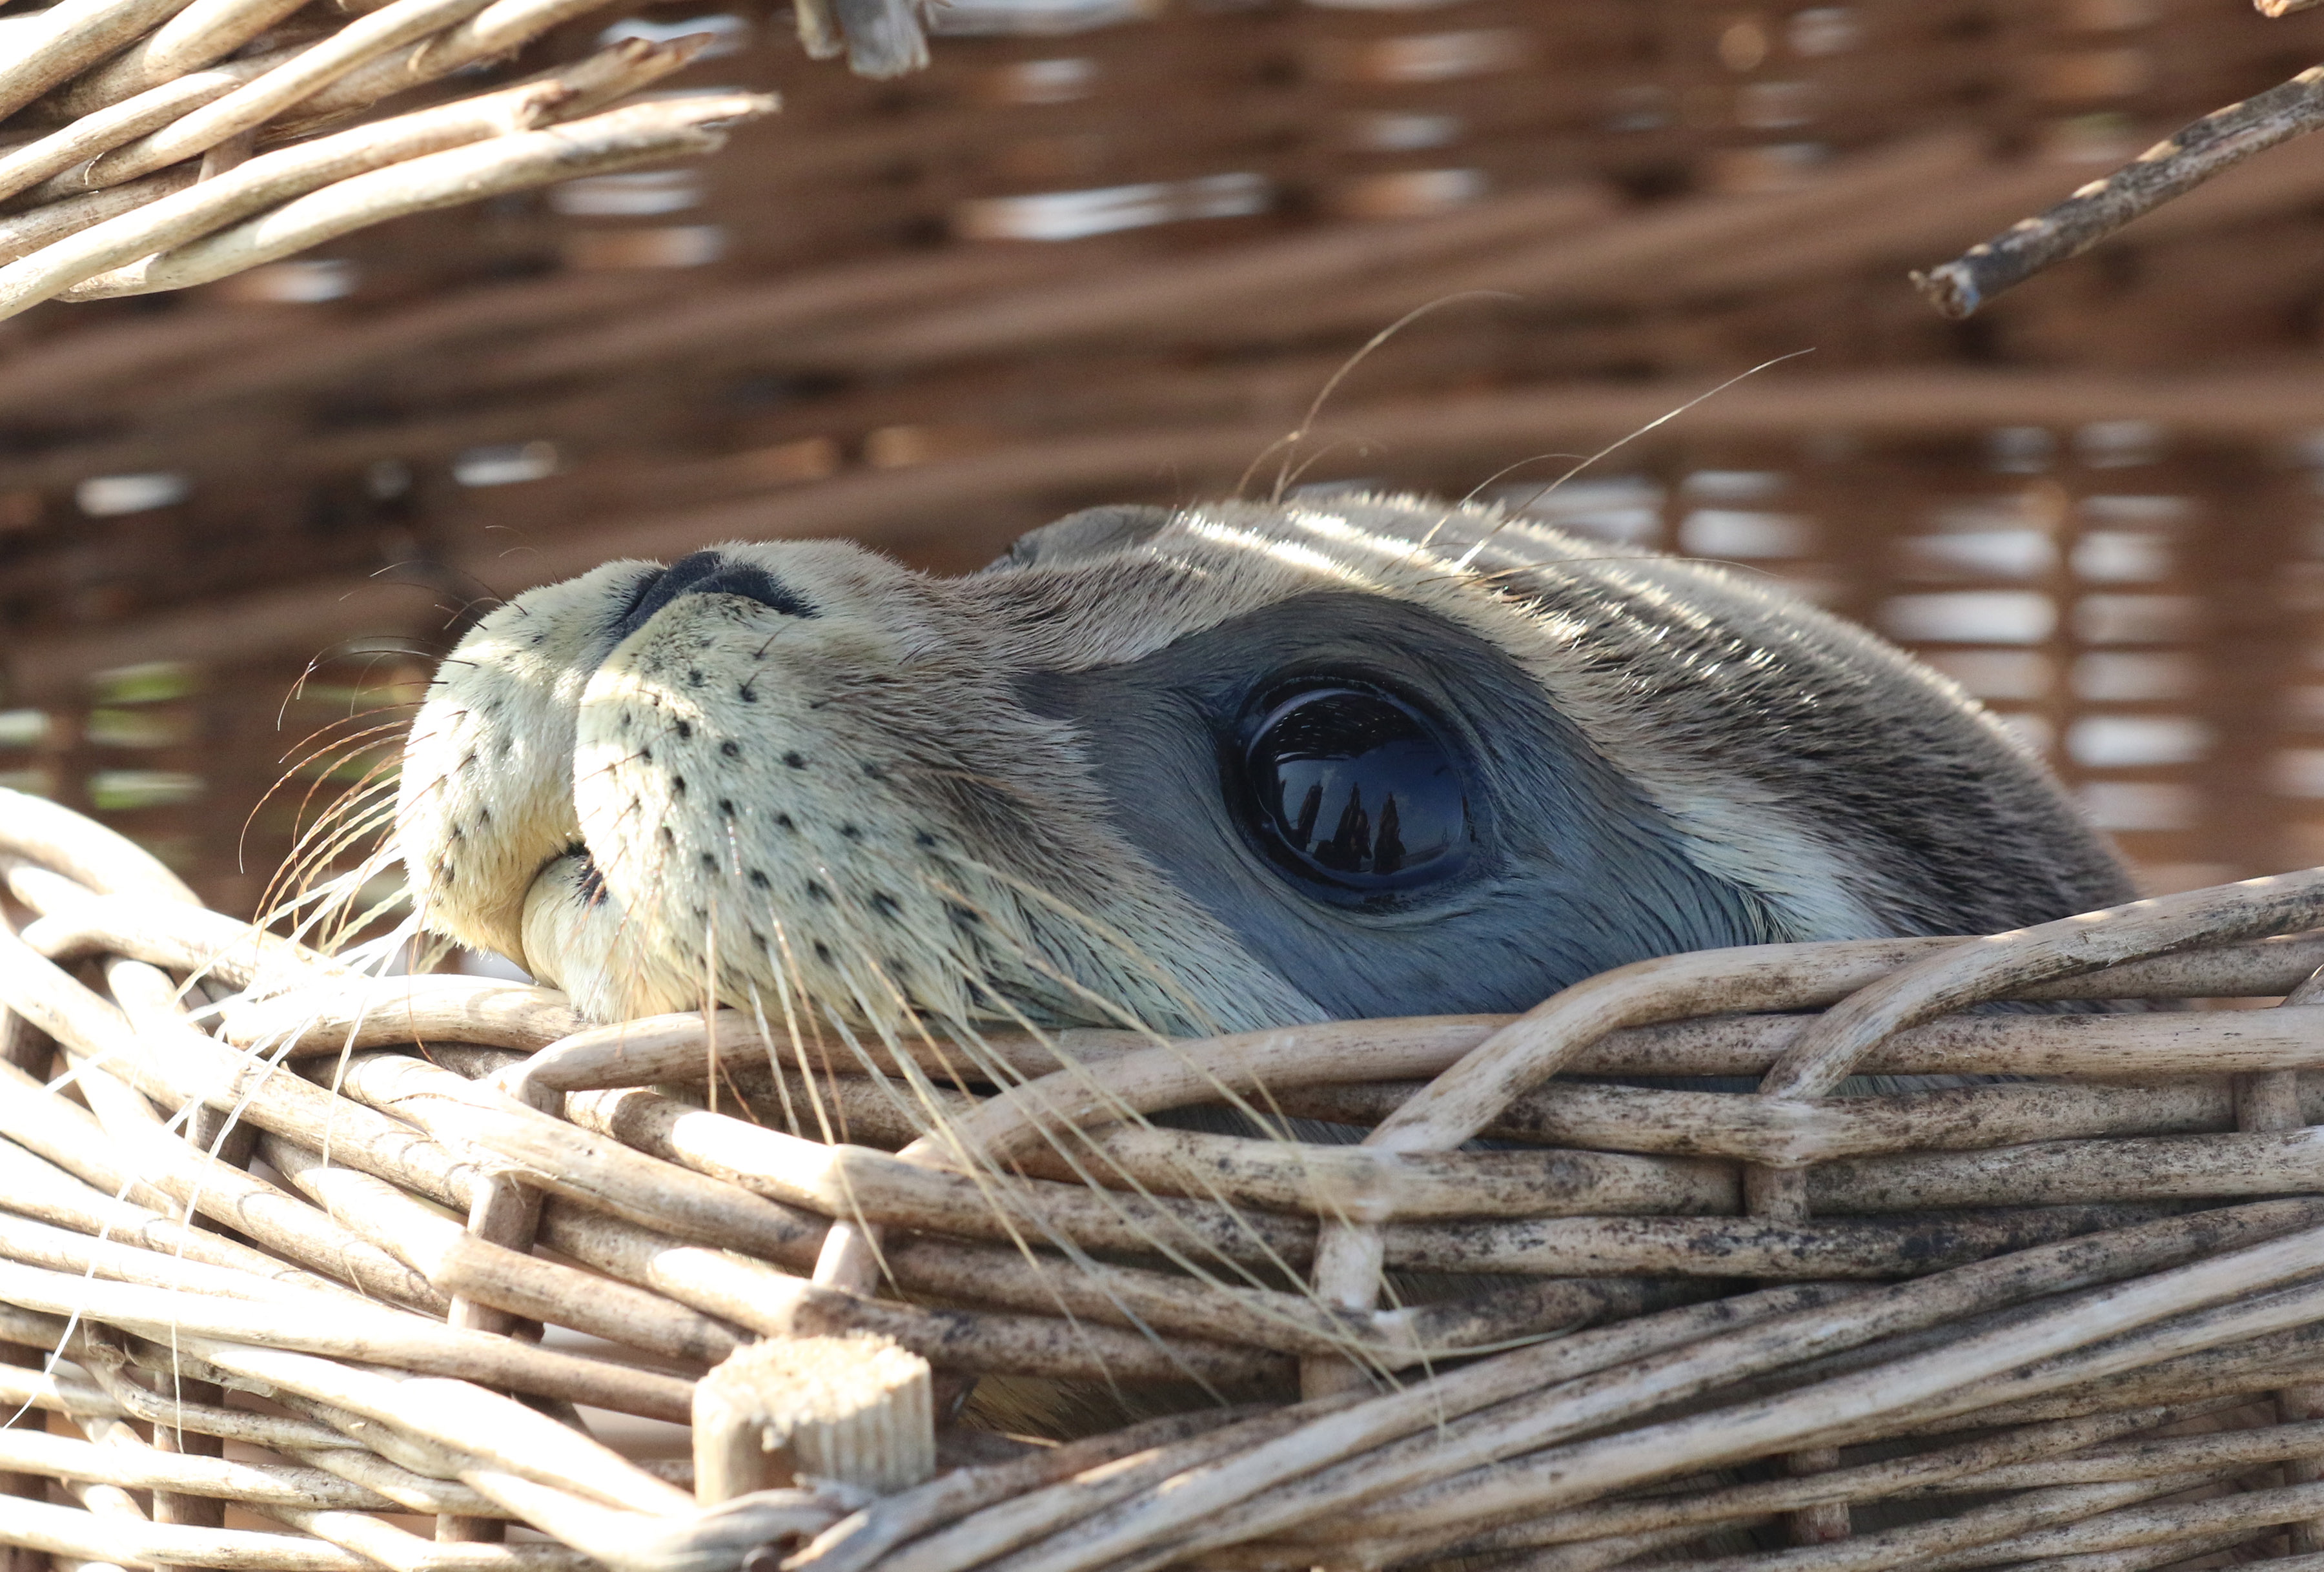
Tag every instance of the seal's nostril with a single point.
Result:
(707, 573)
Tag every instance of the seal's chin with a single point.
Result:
(578, 937)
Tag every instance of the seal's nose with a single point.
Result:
(707, 573)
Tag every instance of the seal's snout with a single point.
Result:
(707, 573)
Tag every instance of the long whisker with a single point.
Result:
(1462, 564)
(1331, 385)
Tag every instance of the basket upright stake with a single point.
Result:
(1780, 1195)
(507, 1213)
(854, 1409)
(2269, 1100)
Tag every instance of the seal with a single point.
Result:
(1202, 769)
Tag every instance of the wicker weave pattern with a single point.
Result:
(153, 144)
(2024, 1282)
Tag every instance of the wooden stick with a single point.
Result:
(420, 1011)
(1827, 1053)
(1968, 1538)
(183, 1066)
(409, 1491)
(69, 37)
(2265, 1102)
(377, 1337)
(2214, 1373)
(203, 34)
(1769, 977)
(1257, 1317)
(109, 1260)
(1010, 1523)
(56, 1394)
(1296, 1480)
(32, 1188)
(266, 181)
(154, 1170)
(185, 940)
(846, 1181)
(856, 1409)
(254, 103)
(1345, 1424)
(2145, 1525)
(157, 1470)
(498, 30)
(84, 138)
(62, 1531)
(1754, 1247)
(1984, 1464)
(855, 1542)
(1971, 1374)
(720, 1537)
(2065, 1171)
(457, 1262)
(753, 1294)
(563, 1161)
(475, 1429)
(1047, 1109)
(617, 140)
(1783, 1133)
(85, 851)
(106, 1361)
(386, 1545)
(2112, 1047)
(2179, 164)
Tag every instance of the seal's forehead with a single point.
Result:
(1114, 584)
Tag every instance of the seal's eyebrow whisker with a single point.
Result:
(1331, 384)
(1471, 494)
(1622, 442)
(1313, 459)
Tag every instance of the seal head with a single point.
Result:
(1208, 769)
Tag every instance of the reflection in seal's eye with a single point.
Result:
(1352, 791)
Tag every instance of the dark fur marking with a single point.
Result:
(1573, 871)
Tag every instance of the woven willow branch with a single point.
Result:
(145, 114)
(2015, 1281)
(2170, 169)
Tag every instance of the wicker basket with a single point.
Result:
(154, 144)
(2080, 1319)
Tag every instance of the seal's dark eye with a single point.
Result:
(1353, 791)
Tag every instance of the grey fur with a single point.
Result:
(1668, 680)
(1576, 874)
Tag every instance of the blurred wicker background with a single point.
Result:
(1110, 249)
